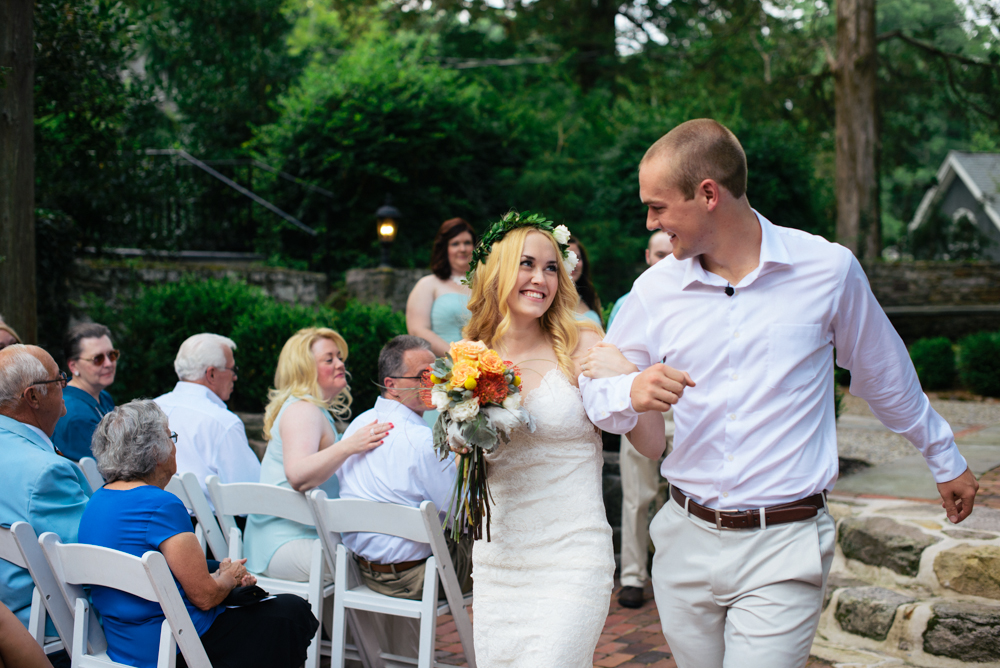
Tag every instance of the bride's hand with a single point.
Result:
(604, 360)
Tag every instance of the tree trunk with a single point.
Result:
(17, 169)
(858, 224)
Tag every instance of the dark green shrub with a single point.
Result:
(934, 360)
(149, 326)
(979, 363)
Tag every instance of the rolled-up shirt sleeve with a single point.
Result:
(608, 400)
(883, 375)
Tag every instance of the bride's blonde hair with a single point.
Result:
(494, 281)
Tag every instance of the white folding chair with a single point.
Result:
(186, 488)
(90, 471)
(247, 498)
(19, 546)
(337, 516)
(150, 578)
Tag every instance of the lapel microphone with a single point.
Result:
(730, 291)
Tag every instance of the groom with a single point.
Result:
(745, 318)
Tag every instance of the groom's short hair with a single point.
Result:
(701, 149)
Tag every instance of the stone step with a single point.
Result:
(908, 587)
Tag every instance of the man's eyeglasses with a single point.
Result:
(405, 377)
(62, 379)
(98, 359)
(235, 370)
(173, 437)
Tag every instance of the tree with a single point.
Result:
(17, 194)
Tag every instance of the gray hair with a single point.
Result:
(19, 370)
(200, 352)
(131, 440)
(390, 360)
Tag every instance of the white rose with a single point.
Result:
(561, 233)
(512, 402)
(440, 399)
(502, 419)
(465, 410)
(570, 261)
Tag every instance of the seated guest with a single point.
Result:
(132, 513)
(405, 471)
(211, 440)
(304, 449)
(8, 336)
(39, 487)
(589, 305)
(92, 362)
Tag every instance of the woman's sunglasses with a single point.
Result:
(98, 359)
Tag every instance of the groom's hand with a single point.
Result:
(658, 388)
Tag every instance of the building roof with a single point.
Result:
(979, 172)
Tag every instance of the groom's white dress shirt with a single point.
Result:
(759, 427)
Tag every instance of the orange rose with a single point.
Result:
(466, 350)
(462, 371)
(490, 362)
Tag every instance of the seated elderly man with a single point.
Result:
(211, 439)
(39, 487)
(404, 470)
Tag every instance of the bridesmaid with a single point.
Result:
(436, 309)
(589, 305)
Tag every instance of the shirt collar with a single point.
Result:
(27, 431)
(773, 255)
(392, 407)
(200, 391)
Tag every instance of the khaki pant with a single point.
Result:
(401, 635)
(746, 598)
(640, 486)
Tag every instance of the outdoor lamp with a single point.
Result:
(386, 225)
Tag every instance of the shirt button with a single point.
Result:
(732, 416)
(736, 376)
(725, 495)
(730, 458)
(736, 335)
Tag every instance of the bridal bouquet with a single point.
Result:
(479, 397)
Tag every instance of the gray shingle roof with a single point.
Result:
(983, 169)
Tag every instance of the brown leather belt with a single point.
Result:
(388, 568)
(796, 511)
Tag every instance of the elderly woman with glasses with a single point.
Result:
(133, 513)
(92, 362)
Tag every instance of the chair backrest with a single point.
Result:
(185, 487)
(19, 546)
(75, 565)
(90, 471)
(252, 498)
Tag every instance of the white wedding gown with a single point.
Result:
(543, 583)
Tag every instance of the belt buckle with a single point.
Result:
(718, 520)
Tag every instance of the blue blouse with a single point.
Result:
(136, 521)
(75, 429)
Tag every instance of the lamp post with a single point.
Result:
(386, 225)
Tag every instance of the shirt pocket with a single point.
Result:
(794, 355)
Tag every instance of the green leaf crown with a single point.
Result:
(511, 221)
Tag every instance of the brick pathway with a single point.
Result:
(989, 489)
(631, 639)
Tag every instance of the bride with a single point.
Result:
(543, 583)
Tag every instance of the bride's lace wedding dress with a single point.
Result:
(543, 584)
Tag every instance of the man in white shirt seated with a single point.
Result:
(211, 439)
(404, 470)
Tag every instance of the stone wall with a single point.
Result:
(107, 277)
(935, 283)
(384, 285)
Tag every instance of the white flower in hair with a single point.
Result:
(561, 233)
(570, 261)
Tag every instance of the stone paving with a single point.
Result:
(631, 639)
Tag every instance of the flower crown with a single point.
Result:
(511, 221)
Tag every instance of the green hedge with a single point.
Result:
(979, 363)
(934, 360)
(150, 324)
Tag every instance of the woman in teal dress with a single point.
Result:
(436, 309)
(589, 305)
(304, 449)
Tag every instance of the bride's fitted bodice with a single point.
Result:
(543, 583)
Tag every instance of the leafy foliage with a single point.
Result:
(934, 360)
(979, 363)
